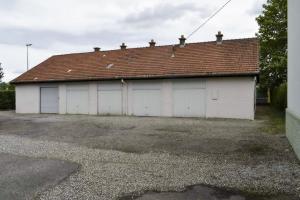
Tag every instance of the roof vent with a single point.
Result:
(173, 51)
(35, 78)
(109, 66)
(219, 37)
(96, 49)
(152, 43)
(182, 41)
(123, 46)
(69, 70)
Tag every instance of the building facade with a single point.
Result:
(293, 110)
(222, 97)
(208, 79)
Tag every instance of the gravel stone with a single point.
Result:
(108, 174)
(123, 155)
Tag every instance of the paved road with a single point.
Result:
(22, 177)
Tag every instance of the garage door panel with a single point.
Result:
(110, 102)
(77, 87)
(77, 100)
(49, 100)
(189, 102)
(189, 84)
(109, 86)
(147, 85)
(147, 102)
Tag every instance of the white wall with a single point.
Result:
(92, 86)
(293, 57)
(225, 97)
(93, 98)
(28, 98)
(62, 95)
(167, 98)
(111, 97)
(293, 110)
(230, 97)
(142, 84)
(235, 96)
(125, 98)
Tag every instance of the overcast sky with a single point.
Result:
(67, 26)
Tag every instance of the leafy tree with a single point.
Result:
(6, 86)
(273, 43)
(1, 73)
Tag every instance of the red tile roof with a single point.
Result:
(231, 58)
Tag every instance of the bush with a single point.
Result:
(7, 100)
(6, 86)
(279, 97)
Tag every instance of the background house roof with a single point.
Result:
(231, 58)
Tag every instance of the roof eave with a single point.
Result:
(140, 77)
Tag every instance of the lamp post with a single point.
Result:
(27, 45)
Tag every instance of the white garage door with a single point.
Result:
(146, 102)
(189, 99)
(78, 99)
(110, 99)
(49, 100)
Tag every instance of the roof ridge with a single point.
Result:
(157, 46)
(199, 58)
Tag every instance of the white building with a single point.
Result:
(293, 110)
(208, 79)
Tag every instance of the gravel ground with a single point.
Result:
(111, 174)
(124, 155)
(179, 136)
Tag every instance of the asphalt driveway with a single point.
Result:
(24, 177)
(121, 156)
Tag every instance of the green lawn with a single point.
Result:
(274, 118)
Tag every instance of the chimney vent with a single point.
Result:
(219, 37)
(96, 49)
(182, 41)
(173, 51)
(123, 46)
(152, 43)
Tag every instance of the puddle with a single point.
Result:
(201, 192)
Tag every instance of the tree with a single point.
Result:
(273, 43)
(1, 73)
(6, 86)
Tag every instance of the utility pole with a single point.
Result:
(27, 45)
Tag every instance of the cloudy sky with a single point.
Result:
(66, 26)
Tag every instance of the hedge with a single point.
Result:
(279, 97)
(7, 100)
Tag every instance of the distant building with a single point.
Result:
(206, 79)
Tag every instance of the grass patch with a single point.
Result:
(256, 149)
(274, 119)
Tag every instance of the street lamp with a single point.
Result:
(27, 45)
